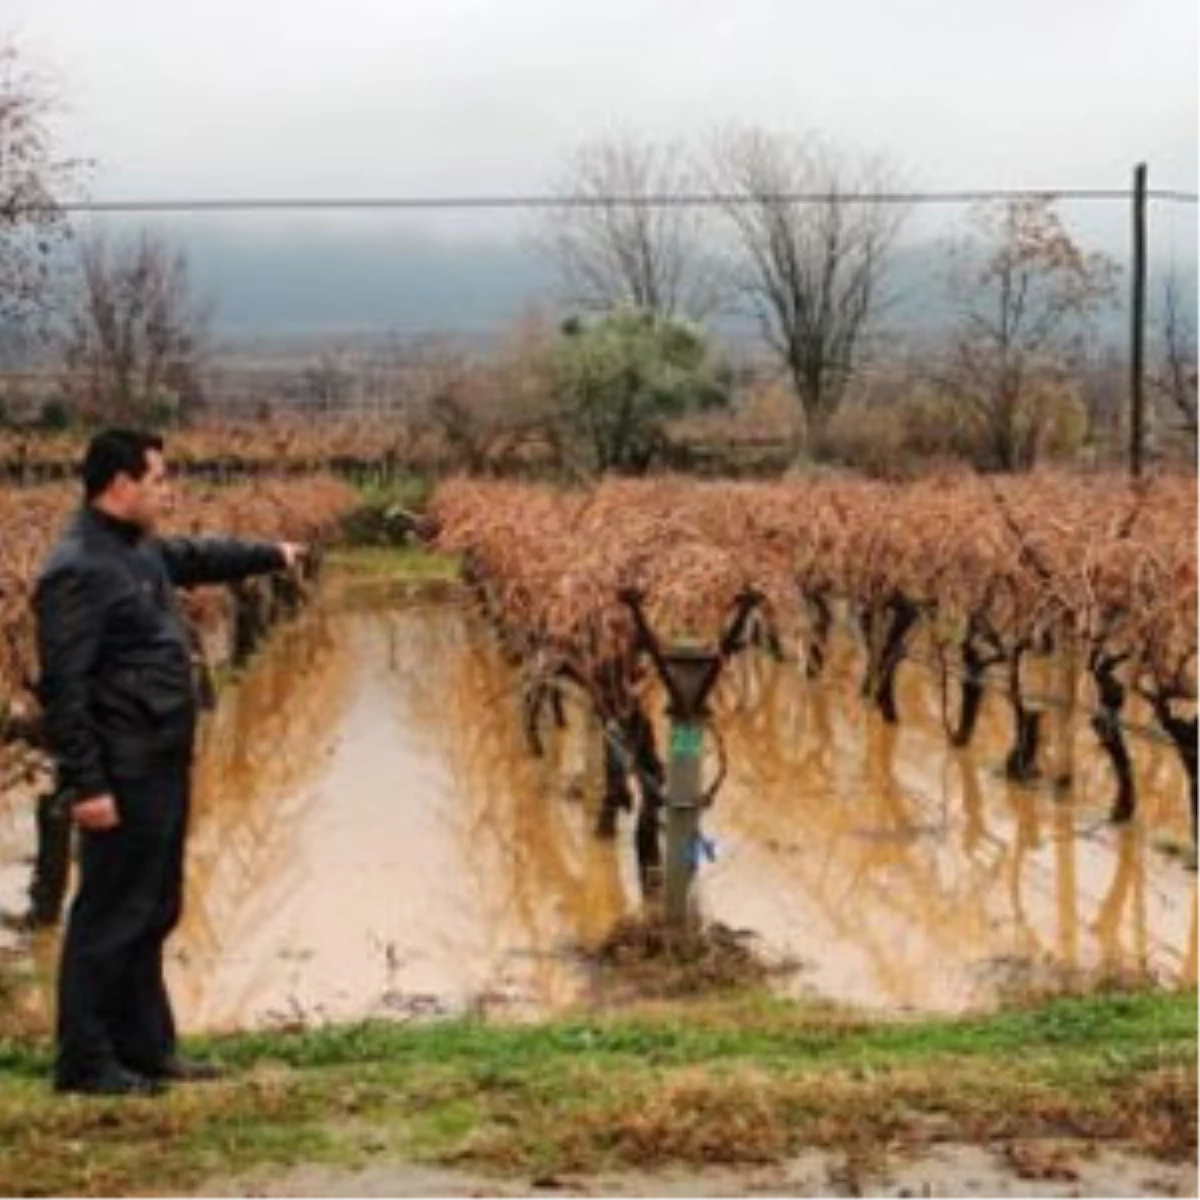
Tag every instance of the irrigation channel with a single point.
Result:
(372, 836)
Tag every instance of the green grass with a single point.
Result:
(403, 563)
(374, 522)
(741, 1078)
(407, 491)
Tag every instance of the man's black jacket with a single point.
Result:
(116, 684)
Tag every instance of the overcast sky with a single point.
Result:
(428, 96)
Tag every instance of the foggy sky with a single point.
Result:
(438, 96)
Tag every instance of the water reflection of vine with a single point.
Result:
(517, 822)
(1069, 898)
(256, 751)
(902, 867)
(915, 857)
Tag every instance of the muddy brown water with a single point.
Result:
(371, 836)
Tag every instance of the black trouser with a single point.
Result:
(113, 1003)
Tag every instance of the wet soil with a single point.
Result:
(950, 1169)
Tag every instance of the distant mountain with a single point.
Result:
(331, 284)
(314, 281)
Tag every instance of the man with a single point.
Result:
(120, 712)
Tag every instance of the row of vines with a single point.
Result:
(221, 449)
(1066, 595)
(308, 510)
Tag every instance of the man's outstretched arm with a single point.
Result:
(224, 560)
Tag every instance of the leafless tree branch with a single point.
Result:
(137, 332)
(811, 272)
(622, 249)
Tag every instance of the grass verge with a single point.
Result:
(413, 564)
(743, 1078)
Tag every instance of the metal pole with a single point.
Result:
(683, 816)
(1137, 432)
(689, 672)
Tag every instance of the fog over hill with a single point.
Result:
(362, 280)
(471, 276)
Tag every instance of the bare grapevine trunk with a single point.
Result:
(1021, 765)
(974, 667)
(1107, 725)
(630, 748)
(902, 617)
(822, 624)
(1183, 733)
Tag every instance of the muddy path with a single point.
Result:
(950, 1169)
(371, 836)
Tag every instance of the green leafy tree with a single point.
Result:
(618, 381)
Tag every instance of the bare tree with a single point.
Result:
(811, 269)
(33, 182)
(1175, 378)
(1025, 292)
(615, 241)
(329, 383)
(136, 333)
(1103, 378)
(489, 411)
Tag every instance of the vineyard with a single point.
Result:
(31, 519)
(405, 809)
(1067, 597)
(368, 448)
(229, 448)
(251, 448)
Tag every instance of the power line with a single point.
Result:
(1172, 194)
(711, 199)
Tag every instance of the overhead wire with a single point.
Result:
(547, 200)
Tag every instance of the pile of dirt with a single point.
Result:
(645, 957)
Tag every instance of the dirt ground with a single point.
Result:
(950, 1169)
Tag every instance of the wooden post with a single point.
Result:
(1137, 431)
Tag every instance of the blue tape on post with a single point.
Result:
(703, 848)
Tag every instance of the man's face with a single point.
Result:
(145, 501)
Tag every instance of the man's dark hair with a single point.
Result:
(113, 452)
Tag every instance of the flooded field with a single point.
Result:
(371, 835)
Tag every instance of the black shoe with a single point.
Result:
(186, 1070)
(112, 1081)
